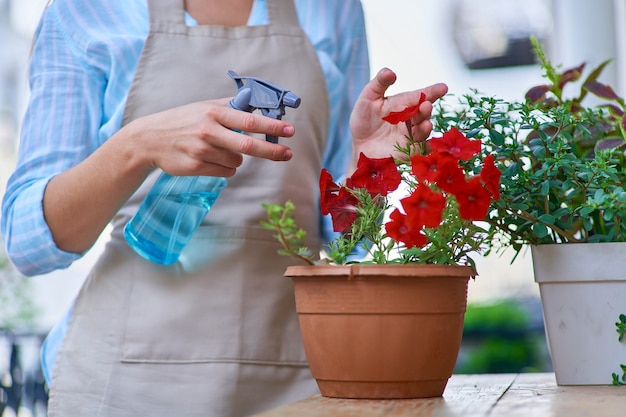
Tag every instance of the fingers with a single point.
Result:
(250, 122)
(385, 78)
(377, 87)
(232, 122)
(203, 138)
(411, 98)
(256, 123)
(425, 110)
(204, 155)
(259, 148)
(435, 91)
(422, 130)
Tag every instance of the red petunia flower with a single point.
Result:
(450, 176)
(474, 200)
(328, 190)
(425, 167)
(424, 206)
(376, 175)
(455, 143)
(396, 117)
(342, 210)
(490, 175)
(399, 229)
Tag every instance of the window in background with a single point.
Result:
(495, 33)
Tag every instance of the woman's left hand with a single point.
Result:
(377, 138)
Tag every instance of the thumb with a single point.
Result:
(377, 87)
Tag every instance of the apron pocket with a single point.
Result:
(226, 300)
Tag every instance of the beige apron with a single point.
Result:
(216, 333)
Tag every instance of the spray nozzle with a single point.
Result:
(256, 93)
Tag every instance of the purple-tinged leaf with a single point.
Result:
(537, 94)
(593, 77)
(570, 75)
(601, 90)
(610, 143)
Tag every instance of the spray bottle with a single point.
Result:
(175, 206)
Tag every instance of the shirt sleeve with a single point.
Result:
(59, 130)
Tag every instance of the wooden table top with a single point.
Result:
(493, 395)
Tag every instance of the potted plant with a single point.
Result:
(389, 324)
(563, 194)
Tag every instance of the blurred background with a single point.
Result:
(480, 44)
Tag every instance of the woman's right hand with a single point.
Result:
(200, 139)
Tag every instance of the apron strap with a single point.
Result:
(172, 11)
(282, 12)
(166, 11)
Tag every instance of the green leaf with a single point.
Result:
(547, 219)
(540, 230)
(476, 124)
(539, 152)
(586, 211)
(599, 196)
(496, 137)
(519, 206)
(472, 133)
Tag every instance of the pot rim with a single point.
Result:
(579, 262)
(380, 270)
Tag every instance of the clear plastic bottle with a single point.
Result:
(170, 214)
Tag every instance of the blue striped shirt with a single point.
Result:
(81, 45)
(78, 47)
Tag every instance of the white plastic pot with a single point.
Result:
(583, 292)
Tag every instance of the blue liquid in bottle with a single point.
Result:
(170, 214)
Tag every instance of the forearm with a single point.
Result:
(80, 202)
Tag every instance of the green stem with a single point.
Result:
(284, 241)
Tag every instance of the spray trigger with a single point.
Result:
(256, 93)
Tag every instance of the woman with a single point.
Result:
(112, 105)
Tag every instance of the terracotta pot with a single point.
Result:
(381, 331)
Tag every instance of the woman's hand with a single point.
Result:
(377, 138)
(198, 139)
